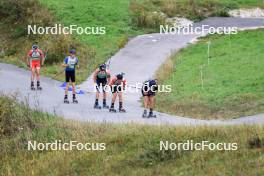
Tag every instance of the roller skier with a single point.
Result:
(70, 63)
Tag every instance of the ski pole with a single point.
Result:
(57, 74)
(108, 63)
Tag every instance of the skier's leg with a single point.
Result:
(67, 80)
(38, 78)
(146, 102)
(38, 74)
(97, 96)
(113, 99)
(146, 105)
(66, 100)
(33, 70)
(104, 97)
(151, 102)
(74, 99)
(73, 88)
(32, 77)
(151, 106)
(120, 97)
(112, 108)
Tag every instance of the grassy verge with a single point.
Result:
(230, 86)
(144, 12)
(122, 18)
(130, 149)
(15, 16)
(113, 15)
(92, 50)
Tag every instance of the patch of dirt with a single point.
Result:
(177, 21)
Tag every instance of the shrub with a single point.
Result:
(166, 69)
(170, 7)
(11, 51)
(13, 118)
(122, 41)
(221, 13)
(145, 18)
(18, 14)
(18, 32)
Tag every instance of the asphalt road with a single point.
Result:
(139, 60)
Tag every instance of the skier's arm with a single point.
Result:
(28, 58)
(124, 84)
(28, 61)
(94, 75)
(65, 62)
(108, 77)
(65, 65)
(112, 81)
(42, 57)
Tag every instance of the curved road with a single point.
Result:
(140, 58)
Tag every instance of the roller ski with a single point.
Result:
(151, 115)
(112, 110)
(75, 101)
(66, 100)
(122, 110)
(32, 87)
(145, 114)
(105, 106)
(96, 106)
(38, 86)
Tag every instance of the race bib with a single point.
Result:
(72, 63)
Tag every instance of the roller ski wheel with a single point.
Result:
(75, 101)
(32, 88)
(66, 101)
(97, 107)
(112, 110)
(39, 88)
(151, 115)
(122, 110)
(145, 114)
(105, 106)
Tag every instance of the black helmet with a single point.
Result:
(102, 67)
(72, 51)
(119, 76)
(34, 47)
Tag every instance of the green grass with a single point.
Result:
(121, 18)
(233, 81)
(130, 149)
(92, 50)
(193, 9)
(114, 15)
(15, 43)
